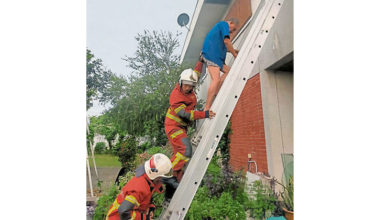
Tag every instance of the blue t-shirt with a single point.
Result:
(214, 48)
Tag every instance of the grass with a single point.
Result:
(105, 160)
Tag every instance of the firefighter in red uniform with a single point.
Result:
(179, 115)
(134, 201)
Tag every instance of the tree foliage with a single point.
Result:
(155, 54)
(104, 125)
(98, 78)
(140, 109)
(100, 147)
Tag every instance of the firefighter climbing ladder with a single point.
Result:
(209, 135)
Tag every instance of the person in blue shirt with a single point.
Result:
(216, 44)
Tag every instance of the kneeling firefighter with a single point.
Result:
(135, 199)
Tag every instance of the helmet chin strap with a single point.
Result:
(181, 89)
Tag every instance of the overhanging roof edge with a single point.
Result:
(195, 16)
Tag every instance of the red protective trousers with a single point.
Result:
(176, 126)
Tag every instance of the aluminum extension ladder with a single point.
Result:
(208, 136)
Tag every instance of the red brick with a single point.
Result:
(248, 129)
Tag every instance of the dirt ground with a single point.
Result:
(106, 174)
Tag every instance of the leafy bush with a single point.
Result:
(224, 144)
(127, 153)
(222, 193)
(104, 203)
(263, 202)
(213, 170)
(220, 196)
(221, 207)
(288, 195)
(224, 181)
(143, 147)
(100, 147)
(155, 150)
(158, 200)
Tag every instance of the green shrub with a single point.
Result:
(143, 147)
(104, 203)
(213, 170)
(100, 147)
(288, 195)
(219, 180)
(158, 200)
(223, 207)
(155, 150)
(221, 195)
(127, 153)
(263, 203)
(224, 144)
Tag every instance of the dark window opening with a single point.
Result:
(286, 64)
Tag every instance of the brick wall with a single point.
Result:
(248, 129)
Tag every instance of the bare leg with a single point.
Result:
(214, 86)
(225, 71)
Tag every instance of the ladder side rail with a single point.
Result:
(231, 84)
(197, 168)
(247, 47)
(244, 51)
(206, 125)
(215, 143)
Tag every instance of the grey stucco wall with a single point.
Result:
(278, 110)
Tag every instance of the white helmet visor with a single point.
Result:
(188, 82)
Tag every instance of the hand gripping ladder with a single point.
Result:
(208, 136)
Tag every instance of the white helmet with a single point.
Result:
(188, 77)
(158, 165)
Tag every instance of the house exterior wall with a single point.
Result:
(248, 135)
(277, 102)
(280, 41)
(262, 121)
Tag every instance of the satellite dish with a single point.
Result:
(183, 20)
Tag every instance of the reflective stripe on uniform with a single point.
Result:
(180, 108)
(179, 157)
(176, 133)
(133, 215)
(115, 206)
(132, 199)
(192, 115)
(178, 120)
(110, 211)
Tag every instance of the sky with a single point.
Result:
(113, 24)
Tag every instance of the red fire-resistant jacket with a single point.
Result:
(137, 191)
(179, 100)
